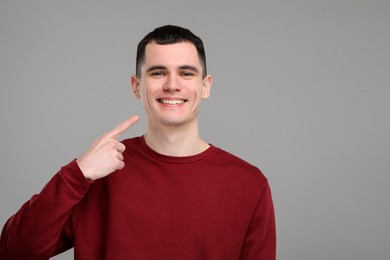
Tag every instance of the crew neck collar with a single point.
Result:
(173, 159)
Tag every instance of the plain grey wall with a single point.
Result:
(301, 89)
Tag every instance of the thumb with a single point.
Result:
(122, 127)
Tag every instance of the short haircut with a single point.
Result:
(170, 34)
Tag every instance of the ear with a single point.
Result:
(135, 86)
(207, 82)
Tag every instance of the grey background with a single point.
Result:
(301, 89)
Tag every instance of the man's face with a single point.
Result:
(171, 84)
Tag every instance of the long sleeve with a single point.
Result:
(34, 232)
(260, 240)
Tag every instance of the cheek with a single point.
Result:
(144, 90)
(150, 86)
(147, 96)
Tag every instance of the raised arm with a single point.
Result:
(34, 232)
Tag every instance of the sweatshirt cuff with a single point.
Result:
(75, 177)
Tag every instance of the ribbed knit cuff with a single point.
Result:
(75, 177)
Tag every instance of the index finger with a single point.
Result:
(122, 127)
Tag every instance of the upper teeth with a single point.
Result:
(171, 102)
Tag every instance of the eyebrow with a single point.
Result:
(189, 67)
(183, 67)
(156, 67)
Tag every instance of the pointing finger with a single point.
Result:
(122, 127)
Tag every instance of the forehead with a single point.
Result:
(177, 54)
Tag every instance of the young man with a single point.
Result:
(165, 195)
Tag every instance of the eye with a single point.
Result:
(157, 74)
(187, 74)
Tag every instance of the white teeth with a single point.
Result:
(171, 101)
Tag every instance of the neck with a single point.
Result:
(175, 140)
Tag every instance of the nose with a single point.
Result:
(171, 84)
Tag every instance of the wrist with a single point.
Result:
(84, 170)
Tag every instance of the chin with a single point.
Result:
(174, 121)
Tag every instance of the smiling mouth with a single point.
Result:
(172, 101)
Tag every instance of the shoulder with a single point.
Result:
(236, 165)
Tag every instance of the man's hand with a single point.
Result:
(105, 154)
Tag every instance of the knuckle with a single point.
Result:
(121, 147)
(110, 144)
(120, 165)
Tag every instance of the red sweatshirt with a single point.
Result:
(208, 206)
